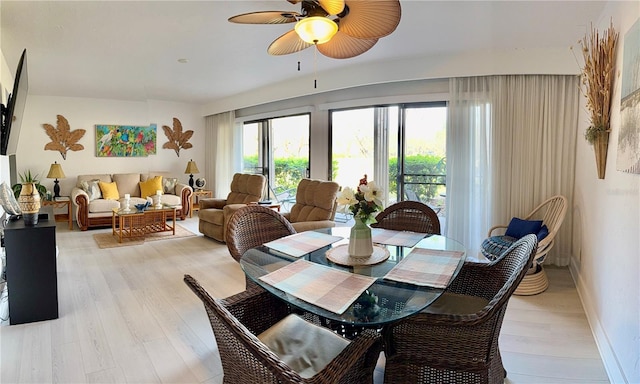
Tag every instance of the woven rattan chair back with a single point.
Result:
(254, 225)
(460, 347)
(237, 320)
(409, 216)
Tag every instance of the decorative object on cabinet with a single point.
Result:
(29, 198)
(125, 140)
(56, 172)
(597, 77)
(177, 138)
(629, 136)
(63, 139)
(191, 169)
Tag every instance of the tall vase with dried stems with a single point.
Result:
(597, 77)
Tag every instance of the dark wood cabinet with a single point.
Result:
(32, 279)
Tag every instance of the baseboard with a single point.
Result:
(611, 365)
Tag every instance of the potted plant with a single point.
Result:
(597, 77)
(29, 193)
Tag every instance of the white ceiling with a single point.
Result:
(130, 50)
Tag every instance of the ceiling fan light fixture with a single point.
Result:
(316, 29)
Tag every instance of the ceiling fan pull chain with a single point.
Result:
(315, 67)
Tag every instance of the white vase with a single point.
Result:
(360, 244)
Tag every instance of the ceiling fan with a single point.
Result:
(340, 29)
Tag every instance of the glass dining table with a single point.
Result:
(384, 301)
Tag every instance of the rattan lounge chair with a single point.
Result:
(455, 340)
(238, 320)
(409, 216)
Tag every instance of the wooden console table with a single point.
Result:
(195, 197)
(61, 202)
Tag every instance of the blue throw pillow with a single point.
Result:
(542, 233)
(519, 228)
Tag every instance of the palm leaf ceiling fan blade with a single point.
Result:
(370, 19)
(288, 43)
(333, 7)
(343, 46)
(266, 17)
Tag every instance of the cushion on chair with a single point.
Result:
(315, 201)
(305, 347)
(109, 190)
(543, 232)
(246, 188)
(150, 187)
(494, 246)
(457, 304)
(519, 228)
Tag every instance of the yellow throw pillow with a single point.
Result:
(109, 190)
(150, 187)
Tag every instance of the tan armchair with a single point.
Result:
(215, 213)
(315, 207)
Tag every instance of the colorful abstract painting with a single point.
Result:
(125, 140)
(629, 138)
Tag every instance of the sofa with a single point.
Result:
(94, 210)
(315, 206)
(214, 213)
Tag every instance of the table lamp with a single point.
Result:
(191, 169)
(56, 172)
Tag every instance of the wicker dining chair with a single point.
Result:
(255, 225)
(252, 226)
(409, 216)
(237, 321)
(455, 339)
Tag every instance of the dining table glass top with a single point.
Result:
(384, 301)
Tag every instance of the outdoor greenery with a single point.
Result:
(290, 170)
(426, 186)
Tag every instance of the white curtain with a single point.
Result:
(219, 137)
(516, 136)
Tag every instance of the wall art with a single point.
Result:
(125, 140)
(629, 138)
(177, 138)
(63, 139)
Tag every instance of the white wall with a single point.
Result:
(83, 113)
(606, 264)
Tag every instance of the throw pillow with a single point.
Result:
(109, 190)
(92, 188)
(519, 228)
(543, 232)
(150, 187)
(494, 246)
(8, 200)
(169, 185)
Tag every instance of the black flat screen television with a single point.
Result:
(12, 113)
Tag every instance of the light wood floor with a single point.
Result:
(127, 317)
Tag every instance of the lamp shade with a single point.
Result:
(316, 29)
(191, 168)
(56, 172)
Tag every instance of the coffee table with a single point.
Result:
(134, 223)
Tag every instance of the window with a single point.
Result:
(279, 149)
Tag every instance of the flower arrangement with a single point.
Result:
(364, 202)
(597, 77)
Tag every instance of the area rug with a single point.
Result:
(108, 240)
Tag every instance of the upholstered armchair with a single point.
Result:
(315, 207)
(215, 213)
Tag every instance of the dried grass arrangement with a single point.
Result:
(597, 77)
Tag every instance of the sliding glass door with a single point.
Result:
(279, 149)
(401, 147)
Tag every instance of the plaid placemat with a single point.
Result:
(426, 267)
(302, 243)
(398, 238)
(323, 286)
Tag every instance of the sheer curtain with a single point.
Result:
(511, 145)
(219, 137)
